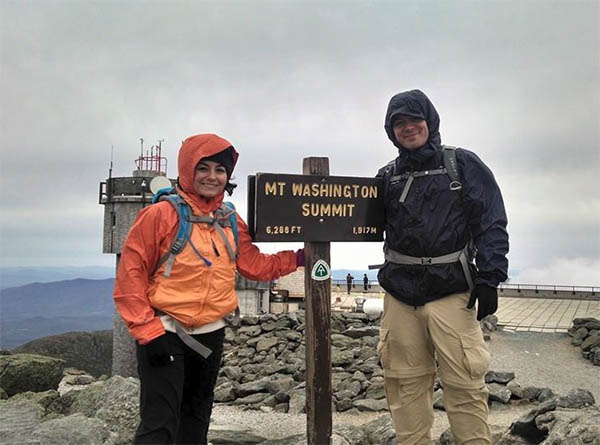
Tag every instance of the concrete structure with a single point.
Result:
(253, 296)
(123, 198)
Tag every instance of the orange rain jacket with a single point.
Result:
(194, 293)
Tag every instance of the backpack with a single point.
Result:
(465, 255)
(225, 216)
(449, 168)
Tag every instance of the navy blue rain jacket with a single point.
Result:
(435, 220)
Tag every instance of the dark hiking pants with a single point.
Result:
(176, 400)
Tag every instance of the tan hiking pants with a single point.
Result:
(410, 342)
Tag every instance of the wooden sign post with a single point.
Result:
(317, 293)
(316, 208)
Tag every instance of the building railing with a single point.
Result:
(549, 288)
(536, 288)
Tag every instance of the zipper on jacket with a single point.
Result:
(215, 247)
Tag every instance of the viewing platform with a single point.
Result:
(521, 307)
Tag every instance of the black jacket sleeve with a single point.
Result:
(487, 220)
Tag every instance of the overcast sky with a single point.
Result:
(518, 82)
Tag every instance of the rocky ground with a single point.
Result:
(542, 391)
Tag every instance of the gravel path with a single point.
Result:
(537, 359)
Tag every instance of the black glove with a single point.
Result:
(487, 297)
(158, 351)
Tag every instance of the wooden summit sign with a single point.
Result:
(315, 208)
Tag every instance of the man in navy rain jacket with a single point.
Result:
(445, 249)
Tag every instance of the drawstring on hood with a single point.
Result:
(194, 149)
(414, 103)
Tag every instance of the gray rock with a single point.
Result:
(544, 395)
(280, 384)
(18, 419)
(344, 394)
(577, 322)
(344, 404)
(525, 426)
(276, 325)
(376, 390)
(114, 401)
(568, 427)
(250, 331)
(593, 341)
(230, 435)
(438, 399)
(595, 358)
(347, 435)
(370, 405)
(592, 325)
(232, 372)
(499, 377)
(577, 398)
(249, 320)
(74, 430)
(78, 379)
(579, 335)
(515, 389)
(246, 389)
(499, 393)
(341, 357)
(3, 394)
(29, 372)
(380, 431)
(266, 343)
(297, 404)
(225, 393)
(297, 439)
(44, 399)
(447, 438)
(359, 376)
(251, 399)
(367, 331)
(344, 342)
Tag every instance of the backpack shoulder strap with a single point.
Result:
(183, 231)
(451, 166)
(233, 221)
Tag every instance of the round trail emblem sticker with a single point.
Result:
(320, 271)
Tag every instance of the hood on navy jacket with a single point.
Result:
(414, 103)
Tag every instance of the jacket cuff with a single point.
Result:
(144, 334)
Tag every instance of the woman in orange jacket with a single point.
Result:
(175, 305)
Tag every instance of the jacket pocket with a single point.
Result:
(475, 354)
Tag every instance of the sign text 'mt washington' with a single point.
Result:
(315, 208)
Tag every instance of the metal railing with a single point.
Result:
(549, 288)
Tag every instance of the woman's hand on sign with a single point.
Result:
(300, 258)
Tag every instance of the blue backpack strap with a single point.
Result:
(183, 232)
(233, 221)
(163, 192)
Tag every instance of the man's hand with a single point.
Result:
(487, 297)
(158, 351)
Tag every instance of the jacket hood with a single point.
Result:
(192, 150)
(414, 103)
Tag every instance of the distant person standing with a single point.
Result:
(349, 279)
(443, 208)
(366, 282)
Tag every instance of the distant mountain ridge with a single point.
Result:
(20, 276)
(41, 309)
